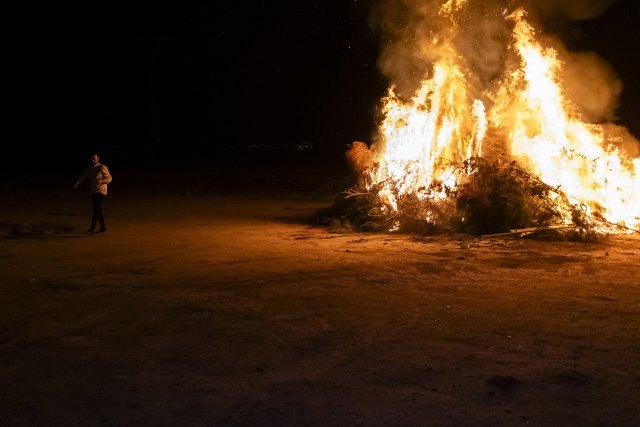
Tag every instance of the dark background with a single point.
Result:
(193, 84)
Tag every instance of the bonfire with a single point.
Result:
(466, 154)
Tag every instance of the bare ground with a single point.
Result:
(210, 309)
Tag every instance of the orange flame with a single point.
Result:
(547, 134)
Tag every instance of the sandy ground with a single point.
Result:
(211, 309)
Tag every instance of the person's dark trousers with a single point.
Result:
(98, 215)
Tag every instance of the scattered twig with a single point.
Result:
(531, 230)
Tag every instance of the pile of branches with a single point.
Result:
(492, 197)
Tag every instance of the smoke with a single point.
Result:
(408, 29)
(414, 34)
(592, 85)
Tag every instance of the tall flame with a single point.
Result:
(439, 125)
(443, 124)
(547, 134)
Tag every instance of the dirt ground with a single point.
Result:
(211, 309)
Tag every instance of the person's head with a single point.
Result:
(94, 159)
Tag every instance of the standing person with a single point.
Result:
(98, 176)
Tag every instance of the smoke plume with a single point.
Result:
(414, 34)
(592, 85)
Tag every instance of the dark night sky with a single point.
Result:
(141, 80)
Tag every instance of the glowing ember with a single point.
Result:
(526, 116)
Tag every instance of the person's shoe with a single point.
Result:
(102, 230)
(90, 231)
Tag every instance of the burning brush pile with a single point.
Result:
(504, 131)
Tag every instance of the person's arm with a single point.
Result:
(80, 179)
(106, 176)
